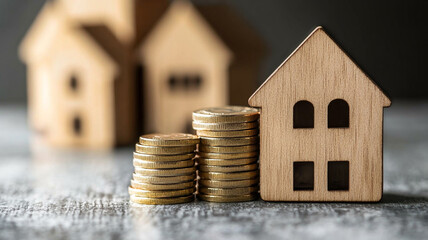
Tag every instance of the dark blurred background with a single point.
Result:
(387, 39)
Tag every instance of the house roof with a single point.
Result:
(56, 17)
(147, 14)
(231, 29)
(77, 44)
(116, 14)
(317, 29)
(234, 31)
(42, 33)
(106, 39)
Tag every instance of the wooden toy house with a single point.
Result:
(92, 77)
(82, 87)
(194, 58)
(320, 127)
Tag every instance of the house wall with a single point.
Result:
(93, 100)
(360, 144)
(320, 72)
(182, 44)
(39, 92)
(171, 110)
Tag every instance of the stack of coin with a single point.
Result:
(165, 171)
(228, 153)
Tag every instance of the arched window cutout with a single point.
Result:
(303, 115)
(338, 114)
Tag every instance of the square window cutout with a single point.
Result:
(338, 175)
(303, 176)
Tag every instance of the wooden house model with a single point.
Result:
(197, 56)
(320, 127)
(92, 77)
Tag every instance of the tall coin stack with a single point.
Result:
(165, 171)
(228, 153)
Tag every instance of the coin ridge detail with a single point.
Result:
(164, 150)
(173, 139)
(164, 179)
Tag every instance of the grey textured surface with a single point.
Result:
(80, 195)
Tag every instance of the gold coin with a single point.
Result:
(157, 165)
(158, 201)
(228, 114)
(228, 183)
(236, 133)
(228, 191)
(173, 139)
(227, 199)
(163, 150)
(228, 176)
(237, 141)
(233, 149)
(165, 172)
(163, 158)
(225, 162)
(228, 169)
(164, 180)
(229, 156)
(224, 126)
(160, 194)
(157, 187)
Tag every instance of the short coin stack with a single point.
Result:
(228, 153)
(165, 171)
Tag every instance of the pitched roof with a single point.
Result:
(54, 18)
(107, 40)
(42, 33)
(234, 31)
(319, 28)
(147, 13)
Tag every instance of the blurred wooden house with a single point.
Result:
(82, 87)
(92, 76)
(197, 56)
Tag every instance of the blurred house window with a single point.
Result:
(197, 80)
(77, 126)
(172, 82)
(74, 83)
(184, 82)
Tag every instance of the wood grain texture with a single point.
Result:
(81, 195)
(319, 71)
